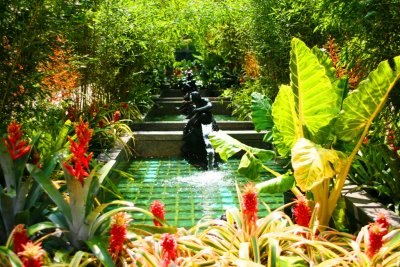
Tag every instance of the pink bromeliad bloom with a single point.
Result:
(118, 233)
(301, 212)
(169, 247)
(157, 208)
(15, 145)
(250, 205)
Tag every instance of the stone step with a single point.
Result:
(179, 93)
(168, 143)
(180, 125)
(170, 107)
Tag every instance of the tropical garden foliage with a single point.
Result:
(75, 74)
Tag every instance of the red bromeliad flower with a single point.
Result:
(15, 145)
(157, 208)
(301, 212)
(20, 238)
(375, 235)
(169, 245)
(79, 167)
(376, 231)
(382, 219)
(250, 205)
(117, 115)
(118, 233)
(32, 255)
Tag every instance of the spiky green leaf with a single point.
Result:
(47, 185)
(96, 245)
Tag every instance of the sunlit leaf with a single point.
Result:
(96, 245)
(261, 107)
(362, 105)
(312, 163)
(277, 185)
(286, 129)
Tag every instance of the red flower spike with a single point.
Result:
(20, 237)
(375, 235)
(157, 208)
(118, 233)
(169, 245)
(117, 115)
(250, 204)
(376, 231)
(78, 164)
(301, 212)
(32, 255)
(16, 147)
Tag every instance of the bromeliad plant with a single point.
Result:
(20, 191)
(78, 212)
(318, 123)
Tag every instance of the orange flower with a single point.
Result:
(169, 245)
(301, 212)
(157, 208)
(79, 167)
(32, 255)
(118, 233)
(250, 205)
(15, 145)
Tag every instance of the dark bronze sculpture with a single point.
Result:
(197, 148)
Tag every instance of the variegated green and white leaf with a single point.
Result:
(313, 164)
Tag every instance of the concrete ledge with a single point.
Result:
(363, 208)
(180, 125)
(168, 143)
(116, 153)
(168, 107)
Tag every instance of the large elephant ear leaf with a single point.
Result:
(225, 145)
(340, 86)
(250, 166)
(362, 105)
(285, 131)
(315, 97)
(313, 164)
(261, 107)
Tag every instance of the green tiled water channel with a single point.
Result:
(189, 194)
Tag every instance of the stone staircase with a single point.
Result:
(163, 138)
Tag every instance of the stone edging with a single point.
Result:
(363, 208)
